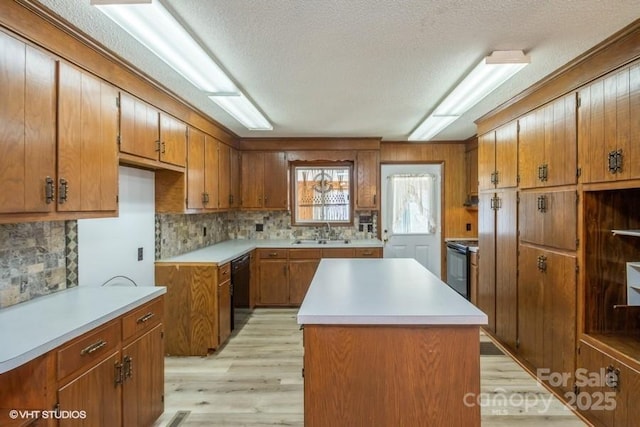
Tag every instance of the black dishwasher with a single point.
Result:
(240, 277)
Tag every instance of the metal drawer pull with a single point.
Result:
(145, 318)
(273, 254)
(93, 348)
(128, 367)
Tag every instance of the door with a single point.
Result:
(411, 214)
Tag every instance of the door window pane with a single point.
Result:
(412, 204)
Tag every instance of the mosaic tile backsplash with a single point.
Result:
(33, 260)
(177, 234)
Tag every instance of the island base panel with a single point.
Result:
(391, 375)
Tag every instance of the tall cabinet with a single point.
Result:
(497, 229)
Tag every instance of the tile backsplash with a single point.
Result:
(177, 234)
(33, 260)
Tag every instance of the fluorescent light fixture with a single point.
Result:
(431, 127)
(149, 22)
(241, 109)
(490, 73)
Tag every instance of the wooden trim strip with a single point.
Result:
(295, 144)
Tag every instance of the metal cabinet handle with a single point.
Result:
(542, 263)
(619, 160)
(375, 198)
(158, 145)
(128, 367)
(542, 203)
(49, 190)
(612, 158)
(145, 318)
(164, 147)
(63, 190)
(93, 348)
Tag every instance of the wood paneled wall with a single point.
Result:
(30, 20)
(452, 157)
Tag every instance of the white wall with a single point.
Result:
(109, 247)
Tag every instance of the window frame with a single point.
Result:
(319, 165)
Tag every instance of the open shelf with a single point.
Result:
(635, 233)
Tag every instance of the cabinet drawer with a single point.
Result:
(305, 253)
(338, 253)
(224, 272)
(142, 318)
(368, 253)
(272, 253)
(88, 349)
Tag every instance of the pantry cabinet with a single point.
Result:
(608, 127)
(497, 158)
(549, 218)
(264, 180)
(87, 142)
(547, 149)
(28, 132)
(547, 309)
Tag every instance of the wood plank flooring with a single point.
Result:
(255, 380)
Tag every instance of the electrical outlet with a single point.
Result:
(468, 226)
(140, 254)
(204, 231)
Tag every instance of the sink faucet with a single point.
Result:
(328, 236)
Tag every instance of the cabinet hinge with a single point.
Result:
(118, 101)
(518, 126)
(577, 242)
(578, 349)
(162, 337)
(579, 101)
(117, 199)
(578, 172)
(577, 269)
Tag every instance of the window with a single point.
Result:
(412, 204)
(321, 193)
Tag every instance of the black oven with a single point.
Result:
(458, 266)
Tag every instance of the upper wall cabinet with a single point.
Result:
(234, 179)
(202, 171)
(367, 167)
(609, 127)
(497, 158)
(28, 131)
(87, 142)
(547, 146)
(264, 180)
(149, 134)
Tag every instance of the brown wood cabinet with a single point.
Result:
(547, 310)
(87, 142)
(202, 171)
(139, 128)
(28, 132)
(303, 264)
(367, 172)
(191, 307)
(173, 140)
(224, 302)
(471, 162)
(234, 179)
(497, 284)
(547, 150)
(473, 277)
(264, 180)
(224, 176)
(273, 279)
(497, 156)
(608, 128)
(549, 218)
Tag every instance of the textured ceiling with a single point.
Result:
(363, 67)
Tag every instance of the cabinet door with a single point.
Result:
(367, 166)
(627, 410)
(506, 267)
(224, 311)
(211, 164)
(252, 170)
(595, 363)
(560, 147)
(487, 262)
(560, 309)
(471, 158)
(531, 148)
(273, 282)
(301, 273)
(139, 127)
(95, 392)
(224, 176)
(486, 160)
(530, 306)
(560, 219)
(631, 157)
(143, 387)
(531, 217)
(173, 140)
(507, 155)
(275, 178)
(195, 170)
(87, 142)
(234, 179)
(27, 136)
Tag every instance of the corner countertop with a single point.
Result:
(30, 329)
(223, 252)
(387, 291)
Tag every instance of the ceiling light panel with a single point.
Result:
(240, 108)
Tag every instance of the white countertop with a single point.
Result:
(388, 291)
(223, 252)
(32, 328)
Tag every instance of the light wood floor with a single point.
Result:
(255, 380)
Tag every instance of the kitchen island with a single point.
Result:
(388, 343)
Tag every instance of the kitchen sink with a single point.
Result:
(322, 242)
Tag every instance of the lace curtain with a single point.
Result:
(412, 204)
